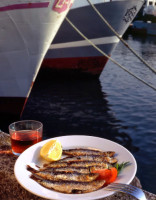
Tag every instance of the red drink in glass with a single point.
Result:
(24, 134)
(21, 140)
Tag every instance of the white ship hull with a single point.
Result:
(27, 29)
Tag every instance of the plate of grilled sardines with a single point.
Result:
(76, 175)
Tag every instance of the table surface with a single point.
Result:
(11, 190)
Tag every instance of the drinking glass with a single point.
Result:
(24, 134)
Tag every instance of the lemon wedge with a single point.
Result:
(51, 151)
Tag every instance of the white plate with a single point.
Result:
(31, 156)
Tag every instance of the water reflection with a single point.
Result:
(144, 39)
(74, 106)
(146, 45)
(134, 103)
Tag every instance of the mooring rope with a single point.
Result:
(104, 54)
(120, 38)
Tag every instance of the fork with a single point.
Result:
(129, 189)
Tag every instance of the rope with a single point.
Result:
(121, 39)
(104, 54)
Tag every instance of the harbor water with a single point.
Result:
(116, 106)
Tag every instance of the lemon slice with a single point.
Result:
(51, 151)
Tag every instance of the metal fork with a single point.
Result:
(129, 189)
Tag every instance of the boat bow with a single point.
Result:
(27, 29)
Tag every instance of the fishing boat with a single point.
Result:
(146, 23)
(27, 29)
(72, 54)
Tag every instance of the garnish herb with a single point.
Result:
(120, 166)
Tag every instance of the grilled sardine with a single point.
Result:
(87, 151)
(68, 176)
(99, 158)
(83, 170)
(75, 164)
(67, 169)
(70, 186)
(69, 160)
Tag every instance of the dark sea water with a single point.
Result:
(134, 104)
(116, 106)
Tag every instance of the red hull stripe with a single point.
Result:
(24, 6)
(92, 65)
